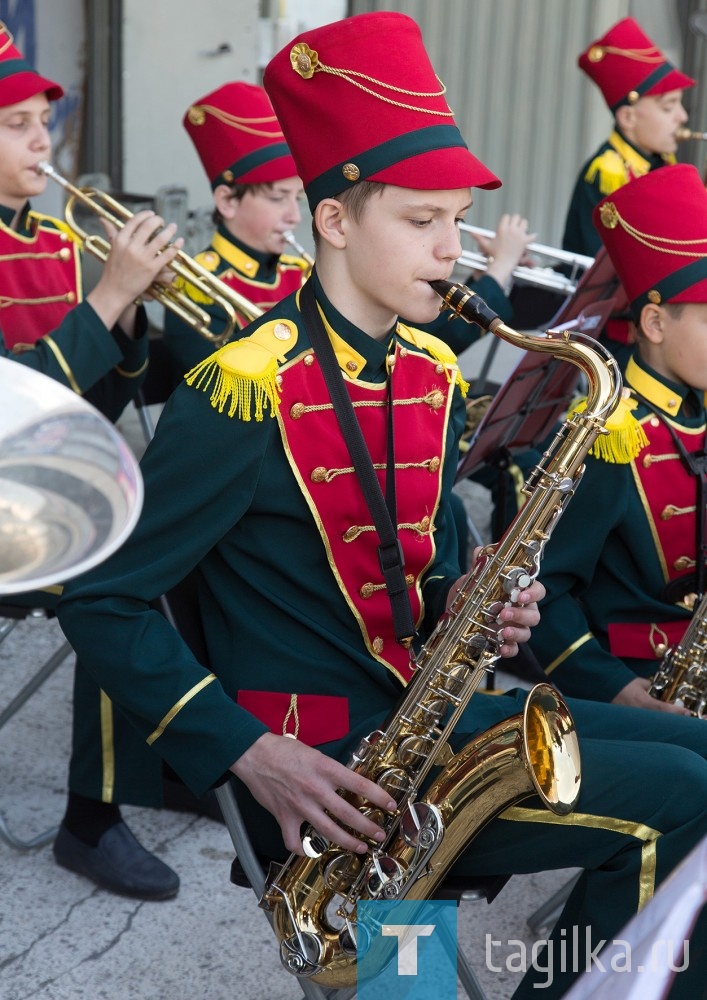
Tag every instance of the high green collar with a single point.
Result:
(661, 393)
(246, 260)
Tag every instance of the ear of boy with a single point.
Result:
(330, 220)
(653, 323)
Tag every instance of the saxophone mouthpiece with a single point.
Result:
(467, 304)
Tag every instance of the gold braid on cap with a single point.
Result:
(611, 218)
(647, 55)
(305, 61)
(7, 42)
(197, 116)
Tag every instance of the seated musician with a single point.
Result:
(643, 91)
(98, 347)
(249, 480)
(256, 195)
(628, 558)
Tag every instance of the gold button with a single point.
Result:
(647, 461)
(282, 331)
(434, 464)
(278, 380)
(439, 369)
(425, 524)
(409, 579)
(672, 403)
(228, 176)
(70, 297)
(309, 359)
(654, 422)
(377, 644)
(352, 366)
(654, 296)
(318, 475)
(249, 265)
(367, 590)
(351, 172)
(350, 534)
(296, 410)
(65, 254)
(660, 650)
(436, 400)
(403, 352)
(632, 96)
(595, 54)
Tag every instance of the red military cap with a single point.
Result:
(237, 136)
(625, 65)
(655, 231)
(359, 100)
(19, 80)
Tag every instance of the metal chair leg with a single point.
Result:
(545, 917)
(17, 702)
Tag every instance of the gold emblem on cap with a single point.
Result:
(196, 115)
(654, 296)
(596, 53)
(228, 176)
(609, 215)
(305, 61)
(350, 171)
(632, 96)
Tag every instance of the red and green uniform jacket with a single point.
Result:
(46, 325)
(261, 278)
(260, 496)
(626, 540)
(615, 163)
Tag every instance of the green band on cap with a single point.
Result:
(273, 151)
(402, 147)
(11, 67)
(645, 85)
(671, 286)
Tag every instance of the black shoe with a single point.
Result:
(178, 798)
(119, 864)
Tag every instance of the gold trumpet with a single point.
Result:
(542, 277)
(290, 238)
(107, 208)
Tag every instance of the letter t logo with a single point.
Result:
(407, 935)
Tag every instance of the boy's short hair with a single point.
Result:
(355, 199)
(238, 191)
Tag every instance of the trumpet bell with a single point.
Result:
(70, 488)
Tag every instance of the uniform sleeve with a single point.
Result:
(104, 366)
(563, 641)
(131, 650)
(580, 234)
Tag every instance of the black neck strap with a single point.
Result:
(382, 510)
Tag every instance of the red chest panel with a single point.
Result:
(669, 494)
(40, 283)
(321, 462)
(289, 279)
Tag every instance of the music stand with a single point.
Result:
(536, 394)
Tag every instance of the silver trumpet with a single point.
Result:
(70, 488)
(684, 134)
(290, 238)
(542, 277)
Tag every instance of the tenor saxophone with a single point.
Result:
(312, 900)
(681, 678)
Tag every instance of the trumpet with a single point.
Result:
(231, 302)
(543, 277)
(290, 238)
(683, 134)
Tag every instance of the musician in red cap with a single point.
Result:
(643, 91)
(621, 594)
(308, 616)
(256, 195)
(96, 345)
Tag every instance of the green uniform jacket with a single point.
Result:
(614, 164)
(221, 496)
(626, 534)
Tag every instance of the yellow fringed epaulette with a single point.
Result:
(624, 438)
(610, 169)
(242, 376)
(436, 348)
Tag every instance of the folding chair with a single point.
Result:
(10, 616)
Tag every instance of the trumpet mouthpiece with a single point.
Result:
(683, 134)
